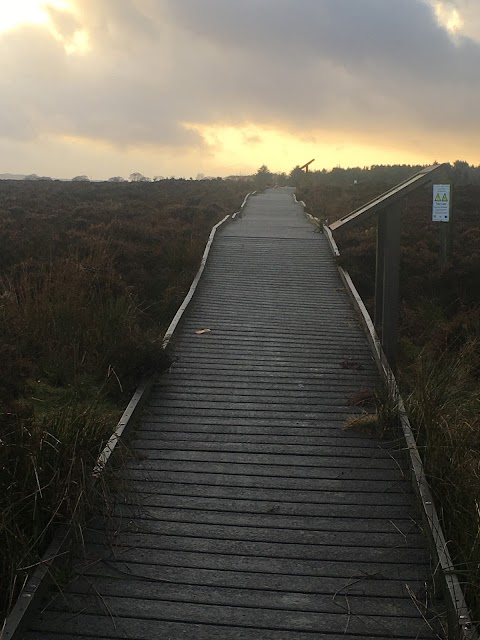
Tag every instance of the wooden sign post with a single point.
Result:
(442, 213)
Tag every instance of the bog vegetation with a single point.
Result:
(90, 276)
(439, 367)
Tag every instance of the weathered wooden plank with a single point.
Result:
(268, 520)
(373, 461)
(330, 424)
(197, 440)
(295, 363)
(207, 431)
(283, 449)
(295, 397)
(412, 538)
(320, 510)
(269, 494)
(321, 422)
(203, 434)
(351, 370)
(290, 317)
(260, 618)
(197, 381)
(252, 598)
(286, 551)
(257, 351)
(360, 586)
(356, 488)
(279, 330)
(275, 330)
(263, 440)
(275, 336)
(347, 372)
(387, 475)
(187, 440)
(103, 627)
(245, 403)
(257, 413)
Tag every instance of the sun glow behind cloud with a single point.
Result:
(448, 16)
(15, 13)
(244, 148)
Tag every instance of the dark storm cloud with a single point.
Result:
(345, 30)
(371, 66)
(350, 59)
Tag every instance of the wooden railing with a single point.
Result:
(387, 207)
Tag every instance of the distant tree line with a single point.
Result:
(463, 173)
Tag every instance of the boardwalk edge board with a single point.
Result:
(239, 213)
(56, 553)
(460, 625)
(300, 202)
(312, 219)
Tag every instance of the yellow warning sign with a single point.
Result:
(441, 203)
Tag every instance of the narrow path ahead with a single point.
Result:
(252, 513)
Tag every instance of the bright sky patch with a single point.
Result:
(448, 16)
(17, 12)
(14, 13)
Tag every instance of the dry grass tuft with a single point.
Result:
(364, 423)
(381, 413)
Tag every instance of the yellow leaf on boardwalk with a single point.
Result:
(199, 333)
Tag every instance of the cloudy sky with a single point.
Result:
(219, 87)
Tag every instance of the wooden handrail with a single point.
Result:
(387, 275)
(379, 203)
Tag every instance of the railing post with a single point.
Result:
(379, 269)
(391, 283)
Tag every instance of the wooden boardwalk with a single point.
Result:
(251, 512)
